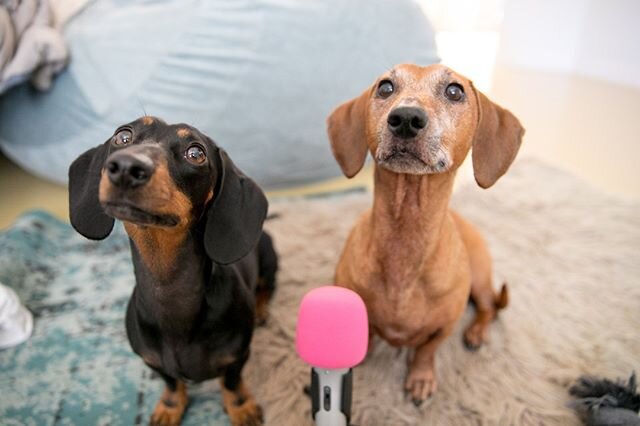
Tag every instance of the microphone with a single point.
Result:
(332, 335)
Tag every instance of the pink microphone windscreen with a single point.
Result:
(332, 330)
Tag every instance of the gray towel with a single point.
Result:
(31, 47)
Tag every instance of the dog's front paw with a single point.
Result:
(248, 413)
(420, 385)
(171, 407)
(166, 415)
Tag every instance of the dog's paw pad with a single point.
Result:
(422, 402)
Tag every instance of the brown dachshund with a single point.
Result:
(412, 259)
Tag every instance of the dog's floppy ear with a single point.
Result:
(85, 212)
(347, 129)
(496, 141)
(235, 217)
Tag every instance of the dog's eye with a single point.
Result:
(454, 92)
(195, 154)
(385, 88)
(123, 137)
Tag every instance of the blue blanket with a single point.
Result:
(78, 368)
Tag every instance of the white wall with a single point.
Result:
(595, 38)
(610, 45)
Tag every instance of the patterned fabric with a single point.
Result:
(31, 47)
(78, 367)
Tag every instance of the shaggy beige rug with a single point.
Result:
(571, 256)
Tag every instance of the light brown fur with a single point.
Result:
(412, 259)
(170, 407)
(240, 406)
(183, 133)
(157, 246)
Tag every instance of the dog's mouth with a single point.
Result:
(417, 157)
(403, 160)
(128, 212)
(401, 154)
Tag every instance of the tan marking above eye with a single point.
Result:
(209, 196)
(184, 133)
(147, 121)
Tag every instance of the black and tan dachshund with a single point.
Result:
(204, 268)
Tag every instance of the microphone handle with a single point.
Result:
(331, 396)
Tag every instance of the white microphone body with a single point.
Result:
(331, 396)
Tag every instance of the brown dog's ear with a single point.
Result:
(496, 141)
(85, 212)
(235, 217)
(347, 129)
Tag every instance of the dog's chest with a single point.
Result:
(402, 315)
(183, 341)
(409, 301)
(187, 361)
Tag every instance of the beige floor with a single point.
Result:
(589, 127)
(20, 191)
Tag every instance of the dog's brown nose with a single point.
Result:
(128, 171)
(406, 122)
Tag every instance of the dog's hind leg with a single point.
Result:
(172, 403)
(268, 267)
(485, 299)
(487, 302)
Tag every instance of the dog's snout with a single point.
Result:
(128, 171)
(406, 122)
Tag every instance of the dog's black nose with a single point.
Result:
(128, 171)
(406, 122)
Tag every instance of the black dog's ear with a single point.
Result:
(235, 217)
(85, 212)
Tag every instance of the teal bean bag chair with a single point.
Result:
(258, 76)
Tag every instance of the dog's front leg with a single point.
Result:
(172, 404)
(239, 403)
(421, 381)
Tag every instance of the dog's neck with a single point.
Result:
(170, 267)
(408, 219)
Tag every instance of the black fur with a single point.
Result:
(605, 402)
(87, 217)
(196, 321)
(234, 228)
